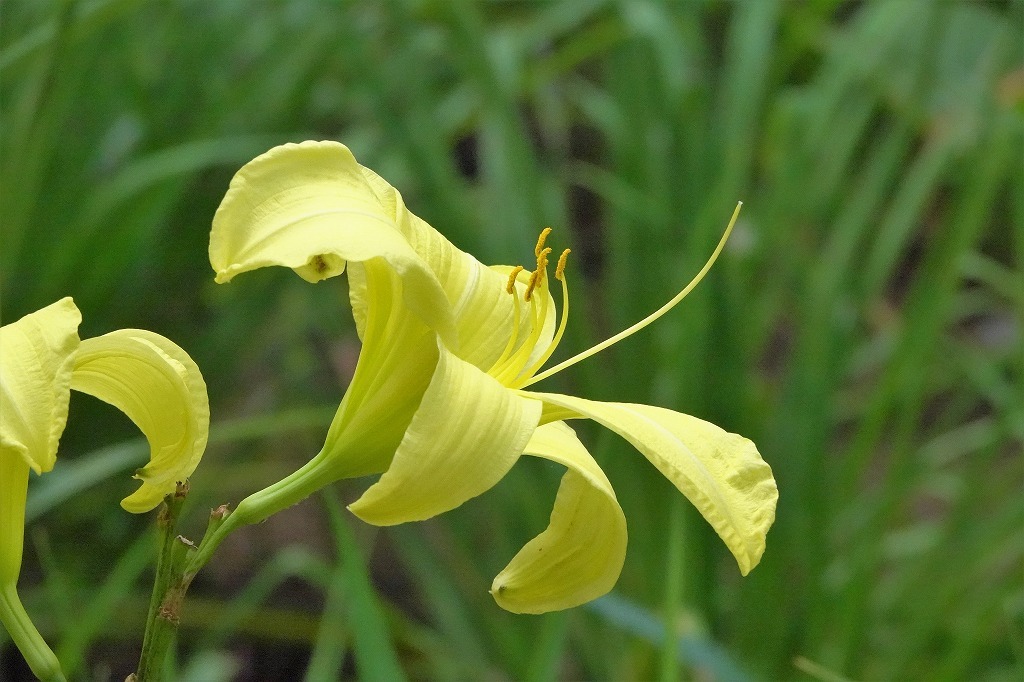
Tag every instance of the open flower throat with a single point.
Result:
(514, 368)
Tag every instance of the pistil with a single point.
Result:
(647, 320)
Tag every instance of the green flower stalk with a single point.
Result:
(149, 378)
(438, 403)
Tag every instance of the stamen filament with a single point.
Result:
(650, 318)
(518, 360)
(562, 324)
(515, 317)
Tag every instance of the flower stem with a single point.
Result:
(164, 604)
(258, 506)
(180, 560)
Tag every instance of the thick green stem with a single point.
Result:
(164, 627)
(30, 643)
(170, 563)
(180, 560)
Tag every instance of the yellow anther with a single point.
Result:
(540, 241)
(511, 287)
(531, 284)
(537, 276)
(560, 268)
(542, 258)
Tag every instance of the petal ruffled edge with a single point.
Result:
(579, 556)
(160, 388)
(466, 434)
(36, 357)
(721, 473)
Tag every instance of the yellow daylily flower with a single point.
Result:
(438, 403)
(143, 374)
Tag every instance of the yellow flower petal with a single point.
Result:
(467, 433)
(395, 366)
(580, 554)
(721, 473)
(308, 207)
(159, 387)
(36, 355)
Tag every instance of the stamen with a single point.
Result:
(518, 359)
(540, 241)
(562, 324)
(540, 315)
(560, 267)
(513, 359)
(538, 274)
(515, 320)
(511, 286)
(528, 296)
(650, 318)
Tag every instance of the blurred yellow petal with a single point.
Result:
(721, 473)
(159, 387)
(580, 554)
(467, 433)
(308, 207)
(36, 356)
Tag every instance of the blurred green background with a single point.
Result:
(865, 326)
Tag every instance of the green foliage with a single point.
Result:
(865, 326)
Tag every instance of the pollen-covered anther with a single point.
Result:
(531, 284)
(540, 241)
(560, 267)
(537, 276)
(511, 286)
(542, 260)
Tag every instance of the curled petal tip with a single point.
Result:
(153, 381)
